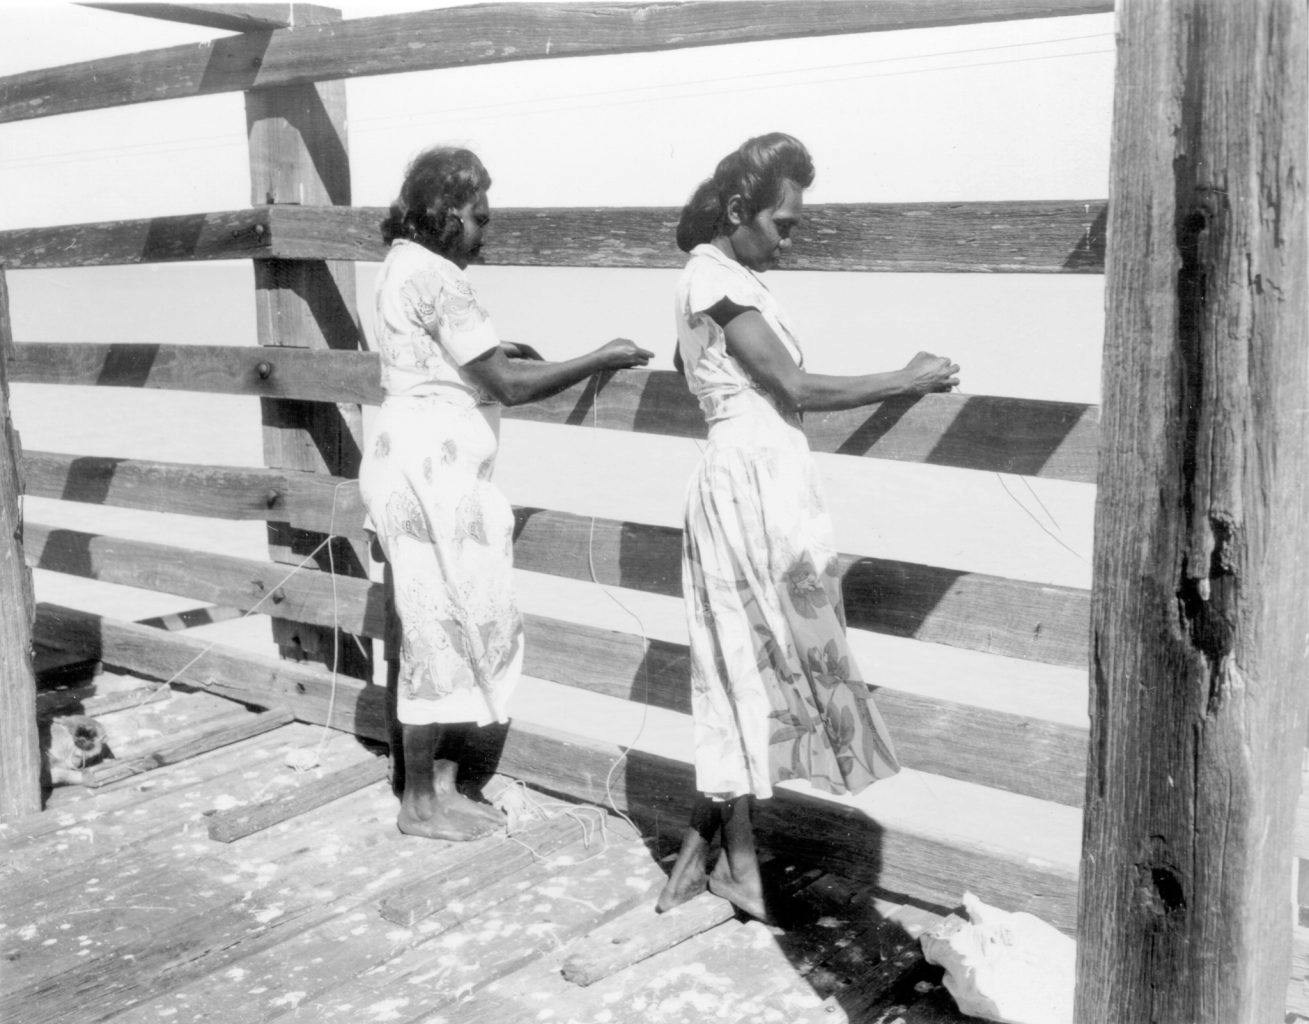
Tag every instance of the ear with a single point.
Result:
(734, 211)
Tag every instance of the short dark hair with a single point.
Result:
(437, 182)
(755, 172)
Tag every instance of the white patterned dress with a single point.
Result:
(775, 694)
(425, 480)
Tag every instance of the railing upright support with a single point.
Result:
(299, 155)
(1200, 598)
(20, 759)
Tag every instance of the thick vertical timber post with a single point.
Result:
(20, 757)
(299, 155)
(1200, 603)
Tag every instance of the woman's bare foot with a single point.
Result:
(442, 819)
(686, 881)
(689, 877)
(736, 875)
(444, 773)
(745, 892)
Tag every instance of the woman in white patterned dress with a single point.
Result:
(775, 692)
(445, 529)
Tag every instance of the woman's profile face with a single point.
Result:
(473, 217)
(760, 242)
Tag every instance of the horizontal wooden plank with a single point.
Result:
(231, 235)
(1041, 759)
(50, 703)
(302, 689)
(221, 733)
(1007, 435)
(227, 826)
(312, 375)
(229, 17)
(217, 492)
(244, 583)
(973, 610)
(482, 34)
(1014, 618)
(1041, 236)
(1056, 440)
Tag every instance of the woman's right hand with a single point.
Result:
(622, 354)
(926, 373)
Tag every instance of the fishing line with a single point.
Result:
(645, 639)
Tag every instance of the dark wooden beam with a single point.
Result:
(481, 34)
(20, 757)
(1199, 615)
(1039, 236)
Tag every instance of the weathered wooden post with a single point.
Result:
(20, 758)
(298, 155)
(1200, 605)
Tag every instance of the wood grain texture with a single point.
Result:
(68, 702)
(20, 756)
(298, 154)
(304, 690)
(235, 823)
(483, 34)
(298, 373)
(216, 492)
(637, 936)
(1036, 236)
(223, 733)
(1198, 610)
(1039, 236)
(1041, 759)
(230, 235)
(1054, 440)
(257, 17)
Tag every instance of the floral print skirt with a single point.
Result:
(447, 533)
(775, 692)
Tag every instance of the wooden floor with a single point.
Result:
(119, 906)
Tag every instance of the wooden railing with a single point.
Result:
(1008, 752)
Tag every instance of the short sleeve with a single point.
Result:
(449, 311)
(711, 281)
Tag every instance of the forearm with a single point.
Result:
(530, 381)
(818, 392)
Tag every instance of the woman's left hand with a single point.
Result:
(517, 350)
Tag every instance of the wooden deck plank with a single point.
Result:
(227, 826)
(231, 730)
(639, 935)
(174, 805)
(447, 972)
(462, 880)
(97, 705)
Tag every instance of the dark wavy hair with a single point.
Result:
(755, 172)
(437, 182)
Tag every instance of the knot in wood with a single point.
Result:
(272, 498)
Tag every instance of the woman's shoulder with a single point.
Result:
(407, 261)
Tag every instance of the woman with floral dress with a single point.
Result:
(445, 529)
(775, 692)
